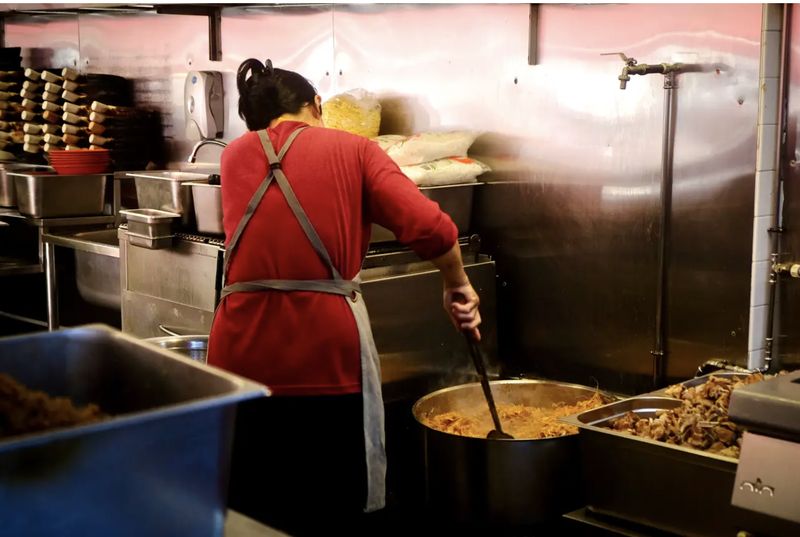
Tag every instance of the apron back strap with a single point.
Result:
(345, 288)
(294, 205)
(255, 200)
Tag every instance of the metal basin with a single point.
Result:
(47, 195)
(8, 193)
(194, 347)
(171, 175)
(501, 483)
(455, 200)
(96, 265)
(157, 466)
(165, 190)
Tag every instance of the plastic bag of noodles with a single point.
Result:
(356, 111)
(446, 171)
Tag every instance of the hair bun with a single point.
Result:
(252, 66)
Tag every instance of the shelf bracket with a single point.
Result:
(533, 35)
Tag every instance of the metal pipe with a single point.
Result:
(667, 154)
(52, 289)
(776, 229)
(201, 143)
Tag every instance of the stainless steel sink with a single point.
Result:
(96, 264)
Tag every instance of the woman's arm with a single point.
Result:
(460, 299)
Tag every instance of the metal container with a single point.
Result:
(8, 193)
(41, 195)
(194, 347)
(151, 223)
(455, 200)
(151, 243)
(500, 483)
(207, 200)
(164, 190)
(672, 488)
(158, 466)
(97, 278)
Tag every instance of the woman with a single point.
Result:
(298, 203)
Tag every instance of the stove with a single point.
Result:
(768, 475)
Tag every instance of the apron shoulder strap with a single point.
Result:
(291, 199)
(255, 200)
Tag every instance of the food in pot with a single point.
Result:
(25, 411)
(701, 422)
(523, 422)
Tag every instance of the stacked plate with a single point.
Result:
(80, 161)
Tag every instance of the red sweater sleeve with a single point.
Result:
(395, 202)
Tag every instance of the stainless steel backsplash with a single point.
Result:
(571, 211)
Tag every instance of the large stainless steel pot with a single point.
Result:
(194, 347)
(500, 483)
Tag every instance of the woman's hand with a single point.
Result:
(461, 304)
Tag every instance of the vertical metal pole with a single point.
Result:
(776, 229)
(52, 290)
(667, 153)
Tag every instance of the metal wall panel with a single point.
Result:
(571, 211)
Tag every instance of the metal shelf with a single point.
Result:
(13, 266)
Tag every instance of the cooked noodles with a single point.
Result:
(520, 421)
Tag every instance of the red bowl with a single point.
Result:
(81, 168)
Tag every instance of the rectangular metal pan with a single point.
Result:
(671, 488)
(157, 466)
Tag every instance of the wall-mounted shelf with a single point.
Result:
(212, 11)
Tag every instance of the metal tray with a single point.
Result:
(165, 190)
(158, 466)
(455, 200)
(151, 243)
(207, 200)
(697, 381)
(672, 488)
(47, 195)
(151, 223)
(8, 194)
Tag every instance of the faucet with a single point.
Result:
(193, 155)
(633, 67)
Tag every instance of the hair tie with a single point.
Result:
(268, 67)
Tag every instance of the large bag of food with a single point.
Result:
(446, 171)
(430, 146)
(356, 111)
(385, 141)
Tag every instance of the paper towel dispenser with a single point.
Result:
(203, 102)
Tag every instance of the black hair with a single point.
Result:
(268, 93)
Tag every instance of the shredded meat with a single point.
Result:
(26, 411)
(520, 421)
(701, 422)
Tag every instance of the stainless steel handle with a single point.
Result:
(168, 331)
(179, 331)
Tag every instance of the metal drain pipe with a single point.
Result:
(762, 345)
(659, 351)
(670, 72)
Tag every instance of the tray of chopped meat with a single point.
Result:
(104, 434)
(668, 460)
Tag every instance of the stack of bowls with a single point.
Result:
(80, 161)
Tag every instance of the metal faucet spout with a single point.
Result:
(623, 78)
(193, 155)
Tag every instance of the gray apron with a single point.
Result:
(374, 434)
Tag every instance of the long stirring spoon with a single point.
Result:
(477, 359)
